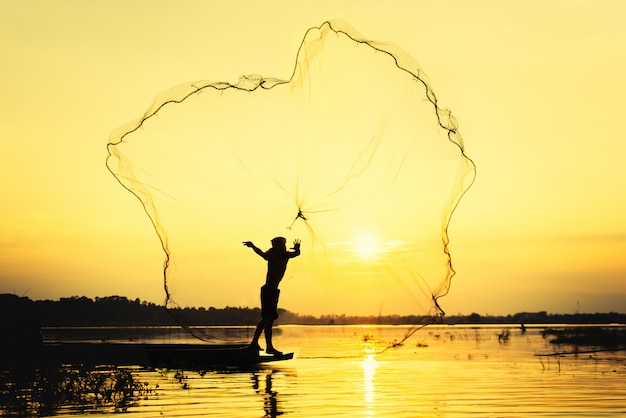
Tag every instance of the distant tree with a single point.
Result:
(475, 318)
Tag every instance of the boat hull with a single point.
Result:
(170, 356)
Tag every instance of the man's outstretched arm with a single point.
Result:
(296, 248)
(255, 248)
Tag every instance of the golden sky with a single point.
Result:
(537, 89)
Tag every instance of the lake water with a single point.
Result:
(345, 371)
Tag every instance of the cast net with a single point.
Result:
(352, 155)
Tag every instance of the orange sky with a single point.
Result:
(537, 89)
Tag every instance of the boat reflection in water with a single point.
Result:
(115, 389)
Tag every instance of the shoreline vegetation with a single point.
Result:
(121, 311)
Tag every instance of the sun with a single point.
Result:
(366, 245)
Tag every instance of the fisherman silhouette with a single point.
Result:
(277, 258)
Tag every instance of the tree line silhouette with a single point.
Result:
(121, 311)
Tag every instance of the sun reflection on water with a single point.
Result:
(369, 366)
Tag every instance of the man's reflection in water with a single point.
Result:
(271, 405)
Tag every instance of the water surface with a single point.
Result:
(346, 371)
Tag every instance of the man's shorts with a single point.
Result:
(269, 302)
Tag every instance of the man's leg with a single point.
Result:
(269, 349)
(257, 333)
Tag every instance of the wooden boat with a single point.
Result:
(170, 356)
(198, 356)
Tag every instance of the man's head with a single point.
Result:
(279, 243)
